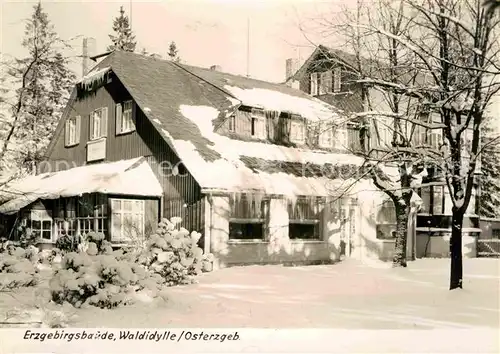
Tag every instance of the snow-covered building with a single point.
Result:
(260, 169)
(332, 75)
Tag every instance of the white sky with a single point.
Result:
(207, 32)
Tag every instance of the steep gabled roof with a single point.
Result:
(183, 102)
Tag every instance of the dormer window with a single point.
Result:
(258, 124)
(297, 131)
(326, 136)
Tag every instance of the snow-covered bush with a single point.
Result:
(17, 267)
(173, 253)
(99, 276)
(67, 243)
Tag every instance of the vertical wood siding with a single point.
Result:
(182, 194)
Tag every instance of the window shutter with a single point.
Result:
(134, 111)
(336, 79)
(104, 122)
(66, 133)
(118, 118)
(78, 124)
(91, 126)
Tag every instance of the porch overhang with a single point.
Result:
(127, 177)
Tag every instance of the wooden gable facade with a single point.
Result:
(181, 193)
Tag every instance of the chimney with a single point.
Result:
(215, 68)
(292, 65)
(87, 52)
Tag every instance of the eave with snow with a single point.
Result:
(260, 169)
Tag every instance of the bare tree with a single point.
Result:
(383, 71)
(454, 44)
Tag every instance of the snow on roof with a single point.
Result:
(230, 173)
(309, 108)
(93, 76)
(110, 178)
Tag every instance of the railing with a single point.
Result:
(488, 248)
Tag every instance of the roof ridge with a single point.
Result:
(180, 66)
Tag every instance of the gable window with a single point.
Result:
(386, 221)
(72, 131)
(337, 77)
(325, 82)
(124, 117)
(305, 218)
(247, 218)
(314, 84)
(258, 125)
(99, 123)
(297, 131)
(127, 220)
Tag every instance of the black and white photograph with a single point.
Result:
(281, 176)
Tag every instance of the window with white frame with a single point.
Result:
(337, 79)
(314, 84)
(247, 218)
(41, 224)
(124, 117)
(72, 131)
(127, 220)
(297, 131)
(99, 123)
(386, 221)
(305, 218)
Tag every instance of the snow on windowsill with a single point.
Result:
(253, 241)
(309, 242)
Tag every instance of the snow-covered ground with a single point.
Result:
(347, 295)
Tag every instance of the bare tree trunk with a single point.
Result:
(456, 270)
(402, 216)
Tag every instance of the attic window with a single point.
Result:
(326, 136)
(124, 117)
(325, 83)
(99, 123)
(72, 131)
(297, 131)
(258, 125)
